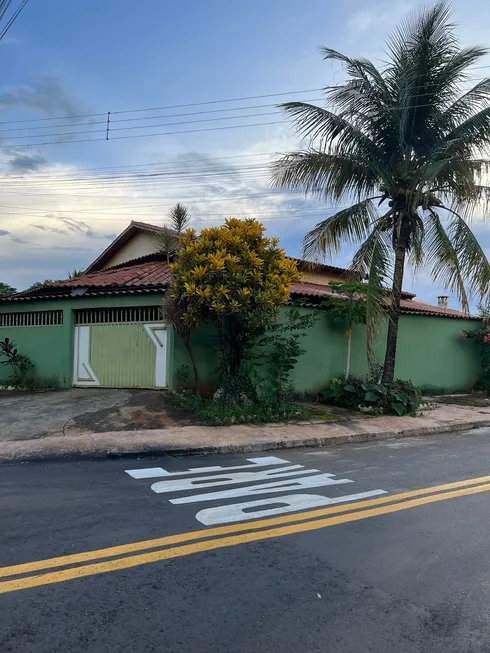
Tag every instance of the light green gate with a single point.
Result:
(120, 348)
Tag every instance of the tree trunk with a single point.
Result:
(187, 344)
(394, 308)
(347, 364)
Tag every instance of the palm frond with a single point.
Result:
(329, 176)
(478, 202)
(443, 259)
(325, 128)
(416, 256)
(350, 225)
(472, 134)
(476, 98)
(179, 218)
(474, 264)
(167, 241)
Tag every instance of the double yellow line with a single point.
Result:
(216, 538)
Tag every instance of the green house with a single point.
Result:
(104, 329)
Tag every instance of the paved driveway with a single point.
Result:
(31, 415)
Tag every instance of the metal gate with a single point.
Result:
(120, 348)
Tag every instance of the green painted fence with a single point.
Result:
(51, 347)
(431, 352)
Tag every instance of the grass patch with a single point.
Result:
(217, 413)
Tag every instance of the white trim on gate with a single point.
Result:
(159, 336)
(83, 374)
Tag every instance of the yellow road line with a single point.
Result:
(218, 543)
(110, 552)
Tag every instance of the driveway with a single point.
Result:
(37, 414)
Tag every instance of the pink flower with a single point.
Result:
(465, 335)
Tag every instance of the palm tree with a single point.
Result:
(168, 239)
(74, 274)
(404, 145)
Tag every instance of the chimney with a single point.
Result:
(442, 301)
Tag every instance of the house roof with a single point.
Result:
(310, 266)
(152, 274)
(133, 228)
(148, 274)
(407, 304)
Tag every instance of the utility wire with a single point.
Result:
(141, 165)
(171, 106)
(4, 5)
(277, 214)
(163, 124)
(12, 19)
(198, 104)
(118, 138)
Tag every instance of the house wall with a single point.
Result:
(141, 244)
(322, 278)
(431, 353)
(431, 350)
(51, 347)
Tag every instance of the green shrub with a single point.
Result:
(20, 364)
(395, 398)
(222, 413)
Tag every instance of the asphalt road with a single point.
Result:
(379, 572)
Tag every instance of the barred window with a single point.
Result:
(31, 319)
(118, 315)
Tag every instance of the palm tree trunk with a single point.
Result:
(394, 309)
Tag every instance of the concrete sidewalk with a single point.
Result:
(243, 439)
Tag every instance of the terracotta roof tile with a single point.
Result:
(149, 273)
(143, 276)
(408, 306)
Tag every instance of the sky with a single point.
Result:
(170, 74)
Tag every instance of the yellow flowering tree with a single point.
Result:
(234, 277)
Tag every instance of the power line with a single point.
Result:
(170, 115)
(141, 165)
(189, 131)
(170, 106)
(4, 5)
(157, 205)
(168, 124)
(274, 214)
(177, 171)
(118, 138)
(12, 19)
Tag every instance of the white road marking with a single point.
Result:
(293, 478)
(228, 479)
(290, 503)
(264, 488)
(157, 472)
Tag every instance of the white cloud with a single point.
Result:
(59, 216)
(378, 16)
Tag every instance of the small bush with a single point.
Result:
(18, 363)
(218, 413)
(395, 398)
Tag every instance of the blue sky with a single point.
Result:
(59, 209)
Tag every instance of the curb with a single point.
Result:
(246, 447)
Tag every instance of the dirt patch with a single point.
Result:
(38, 414)
(144, 409)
